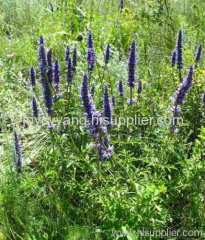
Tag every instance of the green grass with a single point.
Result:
(155, 179)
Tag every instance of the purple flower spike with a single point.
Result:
(181, 92)
(179, 51)
(121, 88)
(132, 66)
(90, 40)
(87, 99)
(34, 108)
(67, 53)
(56, 73)
(69, 71)
(49, 57)
(187, 82)
(42, 63)
(18, 152)
(42, 56)
(173, 58)
(50, 66)
(90, 52)
(107, 54)
(179, 97)
(43, 76)
(33, 77)
(91, 59)
(198, 54)
(48, 100)
(74, 59)
(42, 53)
(107, 108)
(95, 122)
(113, 101)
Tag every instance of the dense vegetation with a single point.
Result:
(117, 59)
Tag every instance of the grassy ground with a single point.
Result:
(155, 179)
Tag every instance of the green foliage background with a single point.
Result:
(155, 180)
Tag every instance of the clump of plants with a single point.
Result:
(80, 164)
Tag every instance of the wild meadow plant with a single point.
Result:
(131, 71)
(96, 178)
(56, 75)
(186, 82)
(179, 51)
(50, 66)
(95, 124)
(47, 81)
(50, 79)
(70, 69)
(45, 78)
(18, 155)
(90, 52)
(180, 94)
(198, 55)
(120, 88)
(107, 54)
(67, 54)
(33, 77)
(35, 108)
(173, 58)
(177, 54)
(75, 59)
(107, 107)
